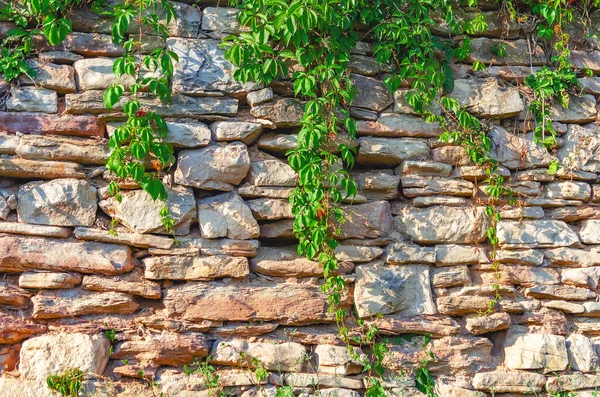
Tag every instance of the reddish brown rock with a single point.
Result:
(37, 123)
(477, 325)
(14, 297)
(370, 220)
(76, 302)
(88, 44)
(18, 254)
(166, 348)
(452, 355)
(14, 329)
(436, 326)
(133, 283)
(460, 305)
(288, 303)
(20, 168)
(195, 268)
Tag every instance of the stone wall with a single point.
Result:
(414, 249)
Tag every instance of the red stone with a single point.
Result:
(37, 123)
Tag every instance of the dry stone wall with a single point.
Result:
(413, 251)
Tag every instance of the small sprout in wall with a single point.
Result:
(66, 384)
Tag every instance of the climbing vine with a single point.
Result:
(139, 145)
(317, 39)
(309, 43)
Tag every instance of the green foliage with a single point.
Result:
(66, 384)
(549, 86)
(208, 372)
(48, 18)
(141, 140)
(317, 38)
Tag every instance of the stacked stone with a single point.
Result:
(413, 250)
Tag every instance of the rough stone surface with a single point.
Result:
(194, 268)
(213, 167)
(286, 357)
(83, 151)
(61, 202)
(439, 224)
(281, 112)
(51, 354)
(203, 68)
(45, 280)
(485, 98)
(390, 152)
(272, 173)
(536, 234)
(230, 290)
(535, 351)
(32, 99)
(19, 254)
(226, 215)
(224, 131)
(408, 290)
(74, 302)
(509, 382)
(140, 213)
(288, 303)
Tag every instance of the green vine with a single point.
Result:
(317, 37)
(66, 384)
(142, 139)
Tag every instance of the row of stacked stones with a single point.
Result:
(233, 289)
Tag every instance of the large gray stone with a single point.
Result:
(180, 106)
(60, 78)
(485, 98)
(286, 357)
(432, 186)
(97, 74)
(390, 152)
(225, 131)
(140, 213)
(218, 167)
(509, 382)
(272, 173)
(51, 354)
(590, 232)
(438, 224)
(582, 109)
(535, 351)
(202, 67)
(582, 355)
(517, 52)
(580, 149)
(535, 234)
(221, 19)
(372, 94)
(516, 152)
(60, 202)
(287, 112)
(180, 134)
(187, 134)
(226, 215)
(369, 220)
(384, 289)
(568, 190)
(32, 99)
